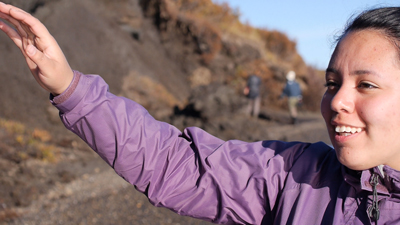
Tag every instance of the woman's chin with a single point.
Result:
(354, 161)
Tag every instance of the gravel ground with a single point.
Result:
(98, 198)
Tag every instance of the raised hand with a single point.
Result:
(43, 55)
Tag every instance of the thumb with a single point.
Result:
(37, 59)
(51, 72)
(31, 51)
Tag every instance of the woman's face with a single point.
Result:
(361, 106)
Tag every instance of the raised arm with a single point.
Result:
(43, 55)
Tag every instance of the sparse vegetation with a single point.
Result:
(23, 143)
(7, 214)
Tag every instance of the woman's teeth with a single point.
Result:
(343, 130)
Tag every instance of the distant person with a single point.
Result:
(293, 92)
(252, 92)
(267, 182)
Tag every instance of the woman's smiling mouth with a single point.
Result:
(346, 130)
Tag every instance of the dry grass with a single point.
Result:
(22, 143)
(8, 214)
(147, 92)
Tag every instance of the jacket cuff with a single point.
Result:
(73, 94)
(55, 100)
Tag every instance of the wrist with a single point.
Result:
(64, 95)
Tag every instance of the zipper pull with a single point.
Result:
(373, 210)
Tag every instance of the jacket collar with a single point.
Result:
(389, 179)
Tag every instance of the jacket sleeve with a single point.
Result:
(191, 172)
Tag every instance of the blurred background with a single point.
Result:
(186, 61)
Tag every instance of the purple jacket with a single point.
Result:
(232, 182)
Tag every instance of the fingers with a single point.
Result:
(30, 25)
(14, 36)
(27, 26)
(28, 30)
(18, 33)
(5, 13)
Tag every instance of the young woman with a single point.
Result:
(234, 182)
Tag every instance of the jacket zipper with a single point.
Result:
(373, 210)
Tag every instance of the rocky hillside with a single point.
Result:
(186, 61)
(156, 52)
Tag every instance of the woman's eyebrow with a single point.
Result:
(363, 72)
(356, 72)
(331, 70)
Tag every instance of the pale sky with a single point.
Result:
(311, 23)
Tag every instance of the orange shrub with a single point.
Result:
(278, 43)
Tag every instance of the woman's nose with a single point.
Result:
(343, 101)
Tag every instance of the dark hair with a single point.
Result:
(386, 20)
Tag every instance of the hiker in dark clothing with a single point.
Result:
(293, 92)
(252, 92)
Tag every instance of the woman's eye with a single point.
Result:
(331, 85)
(366, 86)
